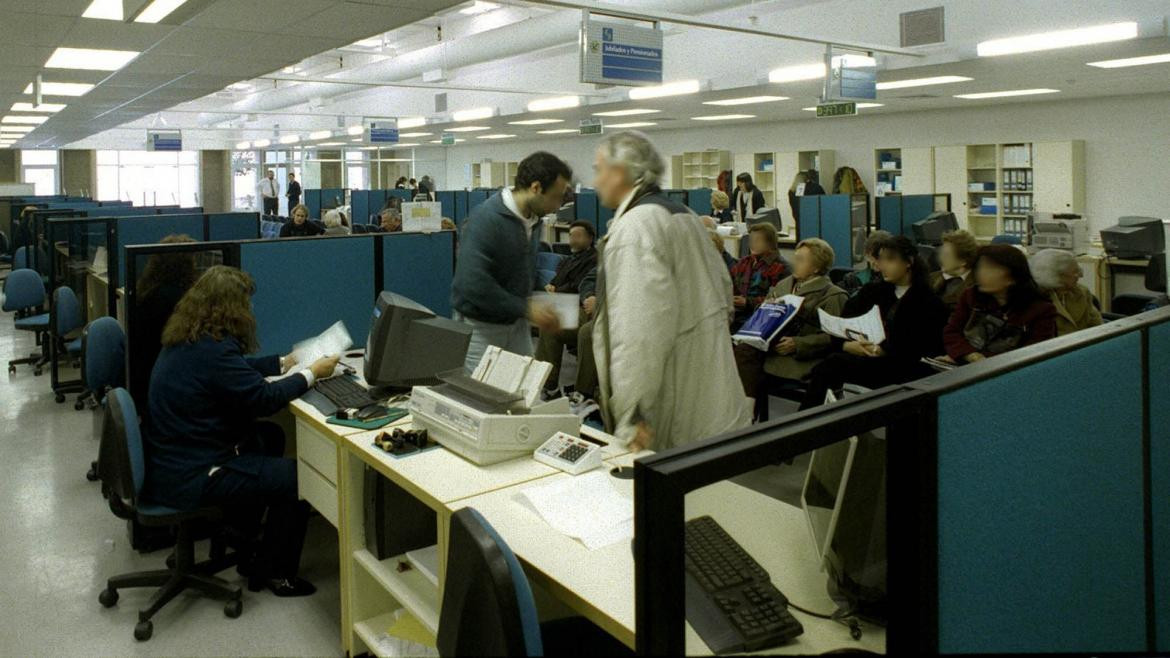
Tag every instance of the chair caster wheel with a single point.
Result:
(108, 598)
(60, 398)
(143, 630)
(79, 405)
(233, 608)
(92, 474)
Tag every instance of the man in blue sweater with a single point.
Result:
(496, 269)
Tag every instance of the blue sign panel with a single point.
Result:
(620, 54)
(164, 141)
(384, 132)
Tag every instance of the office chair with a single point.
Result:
(66, 326)
(24, 293)
(359, 229)
(1128, 304)
(488, 608)
(544, 248)
(5, 248)
(1007, 239)
(20, 258)
(103, 366)
(838, 274)
(122, 467)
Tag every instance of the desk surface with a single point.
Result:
(600, 584)
(308, 413)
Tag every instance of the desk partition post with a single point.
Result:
(659, 583)
(1151, 598)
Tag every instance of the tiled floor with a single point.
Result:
(59, 542)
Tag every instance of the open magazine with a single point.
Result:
(866, 327)
(767, 322)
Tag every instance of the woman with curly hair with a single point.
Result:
(205, 446)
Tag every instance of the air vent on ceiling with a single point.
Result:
(922, 27)
(441, 102)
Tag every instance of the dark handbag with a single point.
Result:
(992, 334)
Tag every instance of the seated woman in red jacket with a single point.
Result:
(755, 274)
(1005, 309)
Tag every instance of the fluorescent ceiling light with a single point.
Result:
(110, 10)
(478, 7)
(495, 136)
(261, 143)
(669, 89)
(414, 134)
(468, 129)
(158, 10)
(290, 139)
(558, 103)
(624, 113)
(535, 122)
(922, 82)
(321, 134)
(400, 146)
(747, 100)
(90, 59)
(331, 144)
(62, 88)
(635, 124)
(439, 141)
(724, 117)
(474, 115)
(355, 130)
(23, 119)
(43, 107)
(357, 139)
(372, 42)
(17, 129)
(412, 122)
(243, 146)
(1132, 61)
(860, 106)
(1008, 94)
(239, 86)
(1084, 36)
(797, 73)
(558, 131)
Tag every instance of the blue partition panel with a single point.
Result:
(405, 195)
(233, 226)
(151, 229)
(836, 227)
(1040, 508)
(446, 199)
(699, 200)
(889, 214)
(915, 208)
(587, 206)
(304, 286)
(115, 211)
(1160, 477)
(810, 217)
(359, 206)
(460, 206)
(332, 197)
(421, 267)
(604, 215)
(313, 203)
(476, 197)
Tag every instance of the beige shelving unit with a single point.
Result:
(493, 173)
(764, 176)
(695, 169)
(887, 172)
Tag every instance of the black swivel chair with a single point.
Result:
(1131, 304)
(488, 609)
(122, 469)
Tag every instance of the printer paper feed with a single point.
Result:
(333, 341)
(586, 507)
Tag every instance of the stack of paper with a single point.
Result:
(332, 342)
(867, 327)
(586, 507)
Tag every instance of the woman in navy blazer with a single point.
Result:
(205, 446)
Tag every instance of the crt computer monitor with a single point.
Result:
(766, 216)
(1134, 237)
(932, 229)
(409, 345)
(567, 214)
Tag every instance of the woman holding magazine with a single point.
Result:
(913, 319)
(801, 344)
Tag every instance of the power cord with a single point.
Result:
(841, 616)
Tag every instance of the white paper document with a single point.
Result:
(867, 327)
(586, 507)
(567, 306)
(332, 342)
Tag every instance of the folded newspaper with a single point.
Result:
(331, 342)
(866, 327)
(767, 322)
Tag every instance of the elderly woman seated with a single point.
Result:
(1058, 274)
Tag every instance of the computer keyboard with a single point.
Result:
(344, 392)
(731, 601)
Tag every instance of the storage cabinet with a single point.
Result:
(1060, 176)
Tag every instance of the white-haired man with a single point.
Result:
(665, 365)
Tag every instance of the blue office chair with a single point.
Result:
(24, 294)
(20, 259)
(5, 248)
(103, 367)
(67, 325)
(1007, 239)
(359, 229)
(488, 608)
(122, 467)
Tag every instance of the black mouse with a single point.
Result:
(370, 411)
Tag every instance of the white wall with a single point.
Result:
(1127, 145)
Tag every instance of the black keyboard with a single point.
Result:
(731, 601)
(344, 392)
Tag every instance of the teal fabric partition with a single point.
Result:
(836, 227)
(915, 208)
(604, 215)
(312, 201)
(1159, 350)
(587, 209)
(148, 230)
(359, 206)
(1007, 457)
(233, 226)
(304, 286)
(420, 266)
(401, 194)
(446, 199)
(114, 211)
(889, 214)
(476, 197)
(699, 200)
(461, 208)
(810, 217)
(331, 197)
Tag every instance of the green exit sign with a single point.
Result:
(590, 127)
(448, 139)
(836, 110)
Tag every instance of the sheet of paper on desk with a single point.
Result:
(566, 305)
(586, 507)
(333, 341)
(866, 327)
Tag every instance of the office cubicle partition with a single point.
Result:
(842, 220)
(1030, 514)
(364, 203)
(898, 213)
(320, 200)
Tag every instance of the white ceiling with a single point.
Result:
(187, 67)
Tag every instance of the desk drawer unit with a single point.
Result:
(317, 470)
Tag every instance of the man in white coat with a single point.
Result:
(664, 357)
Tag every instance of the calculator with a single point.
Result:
(571, 454)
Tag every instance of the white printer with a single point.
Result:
(1068, 232)
(495, 414)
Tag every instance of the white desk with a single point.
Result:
(600, 584)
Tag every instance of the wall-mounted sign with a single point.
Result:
(851, 78)
(827, 110)
(384, 131)
(590, 127)
(615, 54)
(448, 139)
(164, 140)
